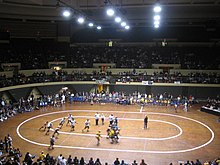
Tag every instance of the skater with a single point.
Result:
(70, 117)
(115, 121)
(52, 141)
(87, 124)
(98, 136)
(44, 126)
(62, 121)
(73, 123)
(56, 132)
(49, 126)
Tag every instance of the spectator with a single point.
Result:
(69, 160)
(134, 162)
(142, 162)
(82, 161)
(63, 161)
(91, 161)
(76, 161)
(97, 162)
(117, 162)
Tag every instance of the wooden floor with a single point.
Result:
(170, 137)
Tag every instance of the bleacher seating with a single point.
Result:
(34, 54)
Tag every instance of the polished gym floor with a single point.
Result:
(170, 137)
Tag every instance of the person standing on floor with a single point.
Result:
(111, 119)
(176, 107)
(97, 116)
(145, 122)
(103, 118)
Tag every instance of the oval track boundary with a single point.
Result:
(119, 150)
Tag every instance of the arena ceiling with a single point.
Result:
(137, 12)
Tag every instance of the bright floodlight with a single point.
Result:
(117, 19)
(156, 22)
(156, 17)
(110, 12)
(66, 13)
(123, 24)
(157, 9)
(99, 27)
(127, 27)
(156, 26)
(81, 20)
(91, 24)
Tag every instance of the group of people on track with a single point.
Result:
(113, 130)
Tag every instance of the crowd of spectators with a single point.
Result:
(34, 54)
(165, 77)
(157, 77)
(10, 155)
(13, 156)
(144, 57)
(115, 97)
(213, 103)
(9, 109)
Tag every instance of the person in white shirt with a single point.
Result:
(73, 123)
(9, 140)
(70, 117)
(111, 119)
(97, 116)
(63, 98)
(186, 106)
(62, 121)
(59, 158)
(49, 126)
(87, 124)
(63, 161)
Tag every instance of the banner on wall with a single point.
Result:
(147, 82)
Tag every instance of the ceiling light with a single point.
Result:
(91, 24)
(127, 27)
(156, 22)
(156, 26)
(81, 20)
(117, 19)
(157, 9)
(66, 13)
(110, 12)
(156, 17)
(99, 27)
(123, 24)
